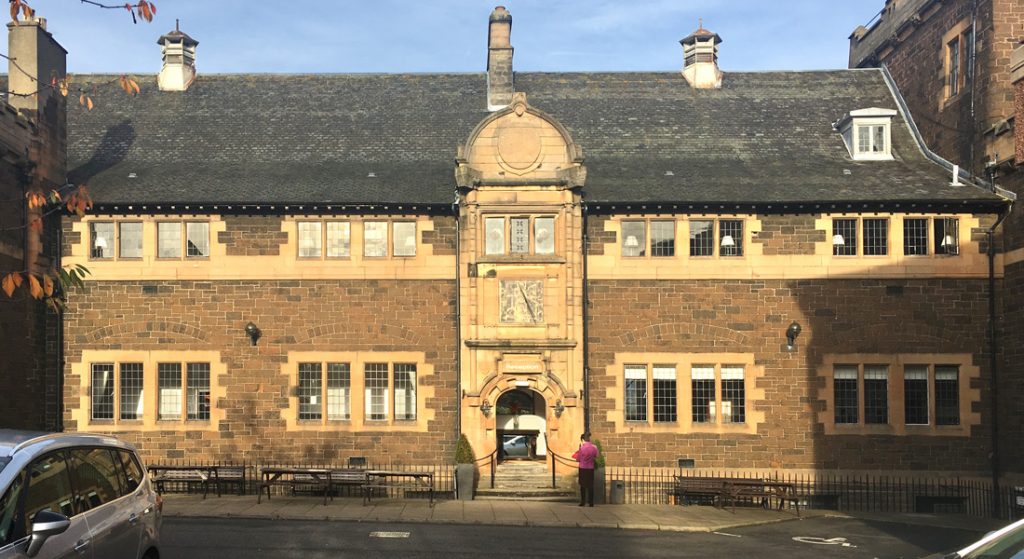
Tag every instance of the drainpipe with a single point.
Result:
(970, 74)
(993, 361)
(586, 345)
(458, 319)
(58, 258)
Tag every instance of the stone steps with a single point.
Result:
(524, 481)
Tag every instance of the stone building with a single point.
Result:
(742, 270)
(32, 140)
(960, 66)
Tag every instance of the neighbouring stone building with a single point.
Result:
(32, 136)
(960, 66)
(742, 270)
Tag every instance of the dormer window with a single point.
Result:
(867, 133)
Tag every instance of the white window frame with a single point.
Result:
(851, 125)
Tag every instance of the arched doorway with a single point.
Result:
(521, 425)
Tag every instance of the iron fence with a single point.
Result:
(853, 493)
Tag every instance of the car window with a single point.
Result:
(49, 487)
(96, 477)
(12, 525)
(131, 471)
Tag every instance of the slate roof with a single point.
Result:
(646, 137)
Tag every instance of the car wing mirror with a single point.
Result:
(45, 525)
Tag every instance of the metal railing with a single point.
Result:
(493, 460)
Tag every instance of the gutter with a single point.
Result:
(993, 337)
(586, 338)
(934, 157)
(458, 318)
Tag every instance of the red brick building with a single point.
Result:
(960, 66)
(32, 137)
(745, 270)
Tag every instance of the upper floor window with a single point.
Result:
(318, 238)
(375, 238)
(867, 133)
(519, 235)
(122, 239)
(958, 59)
(635, 238)
(705, 242)
(848, 232)
(943, 239)
(172, 243)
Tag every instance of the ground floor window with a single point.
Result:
(716, 393)
(118, 391)
(904, 393)
(324, 391)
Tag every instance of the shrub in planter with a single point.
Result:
(599, 485)
(465, 469)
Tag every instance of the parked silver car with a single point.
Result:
(75, 495)
(1005, 543)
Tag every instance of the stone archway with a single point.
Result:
(521, 425)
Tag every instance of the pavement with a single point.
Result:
(529, 513)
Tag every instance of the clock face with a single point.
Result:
(522, 301)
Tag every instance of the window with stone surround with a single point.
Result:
(378, 236)
(177, 238)
(176, 391)
(937, 235)
(319, 239)
(899, 395)
(404, 387)
(860, 236)
(110, 239)
(324, 391)
(118, 390)
(717, 393)
(705, 242)
(519, 235)
(376, 391)
(637, 232)
(957, 59)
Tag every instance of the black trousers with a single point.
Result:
(586, 486)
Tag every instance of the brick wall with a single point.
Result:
(838, 317)
(789, 234)
(293, 316)
(252, 235)
(597, 237)
(442, 238)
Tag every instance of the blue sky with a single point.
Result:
(288, 36)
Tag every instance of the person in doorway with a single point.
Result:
(586, 456)
(532, 446)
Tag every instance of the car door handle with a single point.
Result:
(133, 519)
(82, 545)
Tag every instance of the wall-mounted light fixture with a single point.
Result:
(791, 333)
(253, 332)
(485, 408)
(559, 408)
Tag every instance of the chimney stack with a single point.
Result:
(700, 59)
(499, 60)
(179, 54)
(36, 58)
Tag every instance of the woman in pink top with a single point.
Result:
(586, 456)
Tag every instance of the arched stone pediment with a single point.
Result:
(519, 144)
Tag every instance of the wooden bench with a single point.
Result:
(162, 474)
(763, 489)
(230, 475)
(703, 488)
(393, 479)
(319, 478)
(349, 477)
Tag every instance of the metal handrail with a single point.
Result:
(491, 458)
(566, 461)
